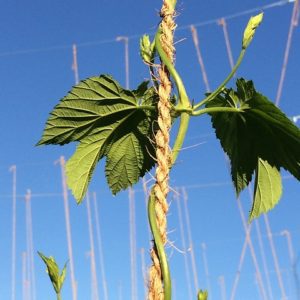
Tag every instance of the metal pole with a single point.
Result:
(132, 234)
(223, 23)
(275, 258)
(125, 40)
(186, 267)
(68, 227)
(203, 246)
(13, 169)
(252, 251)
(75, 64)
(30, 249)
(293, 24)
(100, 248)
(264, 261)
(190, 241)
(95, 292)
(199, 56)
(222, 287)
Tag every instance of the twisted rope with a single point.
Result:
(163, 151)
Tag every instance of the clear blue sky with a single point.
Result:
(36, 40)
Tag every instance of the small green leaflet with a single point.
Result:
(55, 276)
(268, 189)
(110, 122)
(259, 138)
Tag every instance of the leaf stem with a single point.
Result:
(59, 296)
(222, 85)
(215, 110)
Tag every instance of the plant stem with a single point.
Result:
(159, 247)
(184, 102)
(184, 122)
(221, 86)
(58, 296)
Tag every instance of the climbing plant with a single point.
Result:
(130, 130)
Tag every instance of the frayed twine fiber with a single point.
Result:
(163, 151)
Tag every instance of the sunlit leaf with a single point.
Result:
(267, 190)
(110, 122)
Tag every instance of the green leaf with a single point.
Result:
(110, 122)
(267, 190)
(56, 278)
(259, 131)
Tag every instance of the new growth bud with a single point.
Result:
(146, 49)
(202, 295)
(249, 32)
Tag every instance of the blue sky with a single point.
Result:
(35, 72)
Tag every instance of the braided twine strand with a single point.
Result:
(163, 151)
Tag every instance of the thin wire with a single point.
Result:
(137, 36)
(293, 24)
